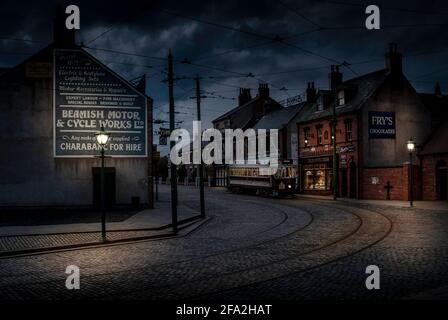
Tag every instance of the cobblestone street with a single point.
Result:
(254, 248)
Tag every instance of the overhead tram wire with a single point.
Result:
(438, 12)
(24, 40)
(319, 27)
(126, 53)
(274, 39)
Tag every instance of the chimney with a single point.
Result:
(263, 90)
(62, 37)
(244, 96)
(393, 59)
(335, 77)
(311, 94)
(437, 90)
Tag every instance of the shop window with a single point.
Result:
(317, 177)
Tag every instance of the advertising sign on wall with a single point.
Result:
(381, 125)
(89, 96)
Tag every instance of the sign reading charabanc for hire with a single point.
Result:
(89, 96)
(381, 125)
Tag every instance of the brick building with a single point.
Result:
(434, 163)
(377, 113)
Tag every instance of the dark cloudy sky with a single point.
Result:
(315, 35)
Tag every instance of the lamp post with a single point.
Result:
(101, 138)
(411, 146)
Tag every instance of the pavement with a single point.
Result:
(424, 205)
(147, 224)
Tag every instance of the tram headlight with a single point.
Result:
(289, 186)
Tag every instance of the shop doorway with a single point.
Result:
(352, 180)
(109, 185)
(441, 180)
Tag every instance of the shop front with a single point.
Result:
(317, 175)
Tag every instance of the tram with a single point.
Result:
(254, 179)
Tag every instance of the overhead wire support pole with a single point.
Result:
(333, 138)
(200, 166)
(172, 143)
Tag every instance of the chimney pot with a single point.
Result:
(335, 77)
(244, 96)
(263, 90)
(394, 59)
(311, 94)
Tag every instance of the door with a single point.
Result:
(344, 182)
(109, 187)
(441, 180)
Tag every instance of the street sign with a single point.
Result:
(88, 96)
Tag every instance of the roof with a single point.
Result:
(279, 118)
(46, 54)
(437, 104)
(438, 141)
(238, 108)
(234, 110)
(364, 85)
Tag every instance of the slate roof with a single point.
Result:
(437, 104)
(279, 118)
(238, 108)
(364, 87)
(438, 141)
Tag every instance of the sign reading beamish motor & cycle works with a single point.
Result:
(381, 125)
(89, 96)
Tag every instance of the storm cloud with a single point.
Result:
(238, 43)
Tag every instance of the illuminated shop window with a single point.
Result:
(317, 177)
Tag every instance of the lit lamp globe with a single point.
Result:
(102, 137)
(411, 145)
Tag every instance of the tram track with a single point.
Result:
(198, 281)
(237, 273)
(226, 251)
(370, 245)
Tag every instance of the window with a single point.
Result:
(307, 135)
(317, 177)
(341, 98)
(319, 134)
(348, 130)
(320, 103)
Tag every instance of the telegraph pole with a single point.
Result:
(335, 160)
(200, 166)
(172, 143)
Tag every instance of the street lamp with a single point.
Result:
(306, 142)
(101, 138)
(411, 147)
